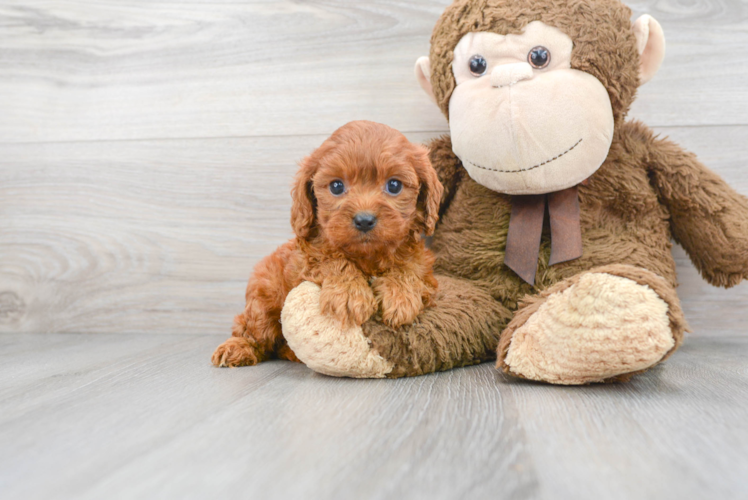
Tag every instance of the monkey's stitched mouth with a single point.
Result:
(529, 168)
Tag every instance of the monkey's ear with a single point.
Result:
(430, 196)
(423, 75)
(304, 202)
(650, 42)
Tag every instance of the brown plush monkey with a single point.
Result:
(557, 214)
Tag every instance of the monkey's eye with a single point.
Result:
(337, 187)
(539, 57)
(393, 186)
(478, 65)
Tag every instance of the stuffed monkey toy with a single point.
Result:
(553, 250)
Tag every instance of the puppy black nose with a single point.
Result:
(365, 221)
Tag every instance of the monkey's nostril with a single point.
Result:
(365, 221)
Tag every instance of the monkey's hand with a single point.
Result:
(708, 218)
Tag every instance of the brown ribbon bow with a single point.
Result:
(526, 227)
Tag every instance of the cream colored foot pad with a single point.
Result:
(598, 328)
(321, 343)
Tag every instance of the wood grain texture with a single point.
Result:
(136, 236)
(146, 416)
(163, 69)
(160, 236)
(107, 225)
(76, 71)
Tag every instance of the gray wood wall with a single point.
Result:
(147, 146)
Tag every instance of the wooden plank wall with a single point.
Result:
(147, 146)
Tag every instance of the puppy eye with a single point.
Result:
(337, 187)
(393, 186)
(539, 57)
(478, 65)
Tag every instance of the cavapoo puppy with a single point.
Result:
(361, 202)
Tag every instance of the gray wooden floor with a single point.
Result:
(146, 152)
(145, 416)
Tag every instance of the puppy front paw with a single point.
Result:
(350, 302)
(236, 351)
(400, 304)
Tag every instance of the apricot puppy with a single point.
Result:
(361, 202)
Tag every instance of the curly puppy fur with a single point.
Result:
(386, 269)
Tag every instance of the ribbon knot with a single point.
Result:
(526, 228)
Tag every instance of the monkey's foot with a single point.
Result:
(603, 325)
(320, 343)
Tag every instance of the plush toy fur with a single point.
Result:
(608, 315)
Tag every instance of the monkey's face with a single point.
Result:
(522, 121)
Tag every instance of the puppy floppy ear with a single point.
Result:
(304, 203)
(430, 195)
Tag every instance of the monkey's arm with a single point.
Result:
(460, 329)
(708, 218)
(448, 168)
